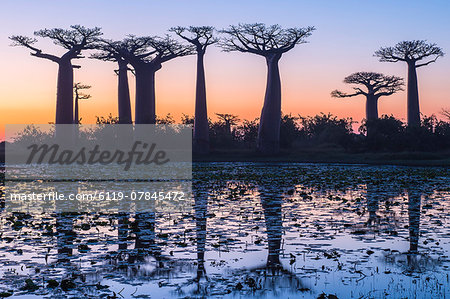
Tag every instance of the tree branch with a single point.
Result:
(263, 40)
(340, 94)
(427, 63)
(410, 51)
(374, 82)
(28, 42)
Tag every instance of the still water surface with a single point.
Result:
(252, 231)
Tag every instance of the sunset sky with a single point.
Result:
(348, 33)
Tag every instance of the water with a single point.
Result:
(254, 230)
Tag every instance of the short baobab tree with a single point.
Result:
(372, 86)
(74, 40)
(271, 42)
(200, 38)
(228, 121)
(112, 51)
(416, 53)
(146, 55)
(77, 87)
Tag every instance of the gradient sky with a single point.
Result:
(348, 33)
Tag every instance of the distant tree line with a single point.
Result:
(324, 131)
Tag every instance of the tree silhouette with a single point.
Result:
(228, 120)
(201, 38)
(79, 96)
(411, 52)
(112, 51)
(74, 40)
(270, 42)
(377, 85)
(146, 55)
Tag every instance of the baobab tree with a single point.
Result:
(79, 96)
(200, 38)
(271, 42)
(415, 53)
(74, 40)
(146, 55)
(112, 51)
(376, 85)
(228, 120)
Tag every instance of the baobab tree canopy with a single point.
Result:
(79, 96)
(109, 50)
(75, 40)
(200, 36)
(375, 83)
(146, 55)
(263, 40)
(410, 51)
(228, 119)
(152, 49)
(79, 86)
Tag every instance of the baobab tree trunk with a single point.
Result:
(371, 112)
(269, 125)
(272, 215)
(413, 96)
(371, 107)
(372, 203)
(145, 95)
(122, 230)
(146, 236)
(124, 95)
(76, 119)
(200, 208)
(201, 130)
(414, 202)
(64, 94)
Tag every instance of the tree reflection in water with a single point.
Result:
(273, 275)
(414, 202)
(244, 237)
(414, 260)
(373, 197)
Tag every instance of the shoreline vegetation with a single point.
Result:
(322, 138)
(323, 155)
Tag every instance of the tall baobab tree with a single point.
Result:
(416, 53)
(146, 55)
(201, 38)
(74, 40)
(112, 51)
(79, 96)
(376, 85)
(271, 42)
